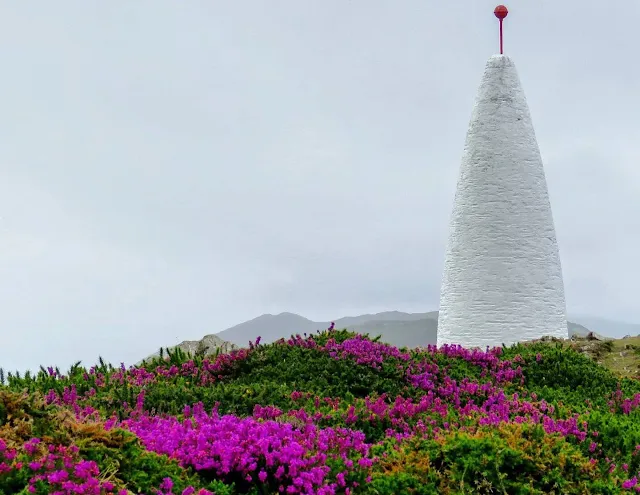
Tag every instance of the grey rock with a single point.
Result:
(210, 344)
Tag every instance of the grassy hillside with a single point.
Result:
(331, 413)
(622, 356)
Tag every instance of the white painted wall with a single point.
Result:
(502, 280)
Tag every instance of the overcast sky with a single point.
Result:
(171, 168)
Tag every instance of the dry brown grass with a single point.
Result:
(619, 355)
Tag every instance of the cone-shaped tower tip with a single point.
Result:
(500, 60)
(502, 280)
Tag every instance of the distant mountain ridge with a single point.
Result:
(395, 327)
(610, 328)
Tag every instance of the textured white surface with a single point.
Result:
(502, 280)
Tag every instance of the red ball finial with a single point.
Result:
(501, 12)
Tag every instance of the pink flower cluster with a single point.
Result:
(208, 372)
(59, 470)
(619, 403)
(293, 459)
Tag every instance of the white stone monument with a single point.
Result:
(502, 279)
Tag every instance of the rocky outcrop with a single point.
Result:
(208, 345)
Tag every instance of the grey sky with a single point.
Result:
(169, 169)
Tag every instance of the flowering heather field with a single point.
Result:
(332, 413)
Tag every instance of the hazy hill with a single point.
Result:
(270, 328)
(616, 329)
(395, 327)
(411, 333)
(388, 316)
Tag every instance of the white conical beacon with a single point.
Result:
(502, 280)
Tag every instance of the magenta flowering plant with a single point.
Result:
(51, 469)
(338, 413)
(273, 454)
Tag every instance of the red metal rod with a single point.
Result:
(501, 12)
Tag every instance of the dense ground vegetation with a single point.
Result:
(329, 413)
